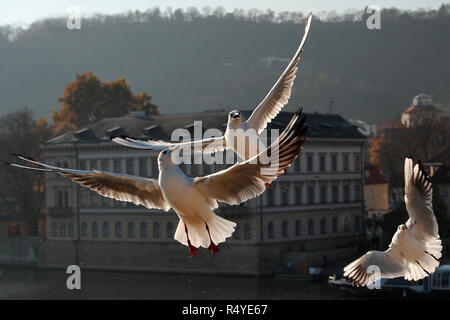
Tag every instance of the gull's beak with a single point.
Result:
(236, 115)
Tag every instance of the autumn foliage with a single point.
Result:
(87, 99)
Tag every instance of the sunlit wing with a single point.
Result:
(122, 187)
(280, 93)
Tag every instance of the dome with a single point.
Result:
(422, 99)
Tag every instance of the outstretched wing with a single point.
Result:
(375, 265)
(209, 145)
(418, 199)
(248, 179)
(139, 190)
(280, 93)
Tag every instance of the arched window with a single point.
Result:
(346, 224)
(105, 229)
(298, 228)
(71, 229)
(357, 223)
(118, 230)
(284, 229)
(84, 229)
(170, 232)
(95, 229)
(310, 226)
(144, 233)
(130, 230)
(247, 231)
(62, 229)
(270, 234)
(156, 230)
(335, 225)
(323, 226)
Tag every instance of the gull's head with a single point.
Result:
(234, 117)
(164, 156)
(402, 227)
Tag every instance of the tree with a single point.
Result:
(22, 192)
(88, 99)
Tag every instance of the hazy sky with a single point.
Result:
(25, 12)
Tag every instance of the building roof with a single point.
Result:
(422, 109)
(374, 175)
(161, 126)
(442, 175)
(441, 157)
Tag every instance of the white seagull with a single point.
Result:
(237, 129)
(415, 248)
(194, 199)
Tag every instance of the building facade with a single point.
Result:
(376, 190)
(312, 213)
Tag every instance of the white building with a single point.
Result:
(312, 211)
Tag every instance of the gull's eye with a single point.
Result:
(165, 151)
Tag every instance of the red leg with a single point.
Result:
(192, 249)
(214, 249)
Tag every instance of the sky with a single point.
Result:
(21, 12)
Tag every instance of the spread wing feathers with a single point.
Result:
(280, 93)
(139, 190)
(418, 199)
(364, 270)
(210, 145)
(248, 179)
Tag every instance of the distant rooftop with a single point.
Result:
(161, 126)
(441, 157)
(374, 175)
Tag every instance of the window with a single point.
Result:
(298, 228)
(144, 232)
(155, 170)
(357, 223)
(117, 165)
(309, 161)
(65, 164)
(247, 231)
(298, 193)
(236, 233)
(445, 279)
(95, 229)
(346, 193)
(118, 230)
(105, 229)
(94, 164)
(284, 229)
(311, 194)
(85, 198)
(297, 165)
(143, 167)
(323, 194)
(357, 192)
(310, 227)
(335, 193)
(333, 162)
(62, 229)
(71, 229)
(322, 162)
(96, 201)
(345, 161)
(130, 166)
(62, 199)
(54, 229)
(335, 225)
(170, 232)
(156, 230)
(130, 230)
(270, 195)
(346, 224)
(84, 229)
(323, 226)
(284, 193)
(356, 162)
(82, 164)
(270, 234)
(444, 192)
(104, 164)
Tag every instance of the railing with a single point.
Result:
(56, 212)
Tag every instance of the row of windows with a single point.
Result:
(312, 227)
(94, 230)
(327, 162)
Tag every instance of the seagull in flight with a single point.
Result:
(199, 226)
(240, 136)
(415, 248)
